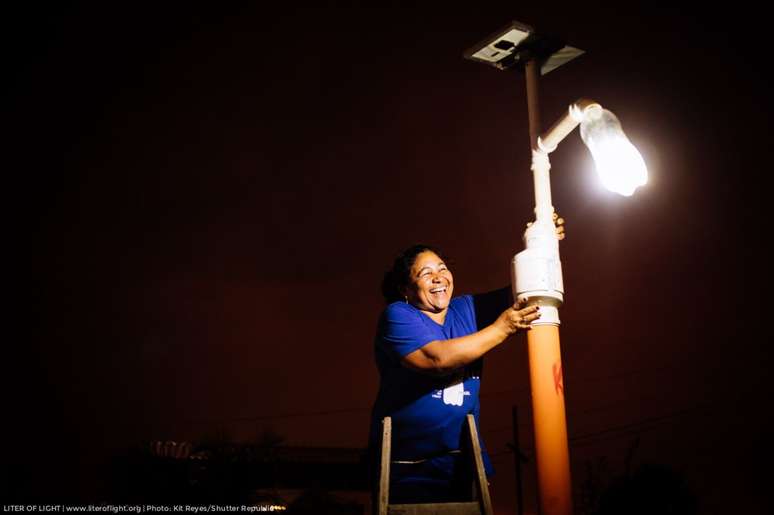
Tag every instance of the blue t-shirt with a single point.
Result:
(428, 413)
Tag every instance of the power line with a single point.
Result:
(644, 422)
(614, 406)
(630, 429)
(658, 369)
(338, 411)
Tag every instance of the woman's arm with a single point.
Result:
(441, 357)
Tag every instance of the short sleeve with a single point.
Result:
(403, 331)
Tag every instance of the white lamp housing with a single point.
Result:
(619, 165)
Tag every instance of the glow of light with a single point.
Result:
(619, 165)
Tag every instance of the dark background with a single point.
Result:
(206, 199)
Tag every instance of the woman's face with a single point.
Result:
(430, 283)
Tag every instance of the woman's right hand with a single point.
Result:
(517, 317)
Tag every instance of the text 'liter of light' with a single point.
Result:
(619, 165)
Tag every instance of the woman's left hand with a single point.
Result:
(559, 223)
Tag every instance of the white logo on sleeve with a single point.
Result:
(454, 394)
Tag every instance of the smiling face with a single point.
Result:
(430, 284)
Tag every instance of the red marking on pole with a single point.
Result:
(558, 380)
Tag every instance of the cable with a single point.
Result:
(633, 425)
(364, 409)
(618, 405)
(658, 369)
(612, 433)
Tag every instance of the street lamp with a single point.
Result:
(537, 271)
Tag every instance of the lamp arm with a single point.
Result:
(548, 141)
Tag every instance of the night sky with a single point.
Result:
(206, 201)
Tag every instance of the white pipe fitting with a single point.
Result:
(536, 272)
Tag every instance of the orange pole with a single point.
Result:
(545, 370)
(548, 418)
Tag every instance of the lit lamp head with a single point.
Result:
(619, 165)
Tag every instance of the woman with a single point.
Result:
(428, 351)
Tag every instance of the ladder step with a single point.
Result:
(446, 508)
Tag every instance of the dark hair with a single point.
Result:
(397, 278)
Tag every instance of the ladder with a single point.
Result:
(481, 505)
